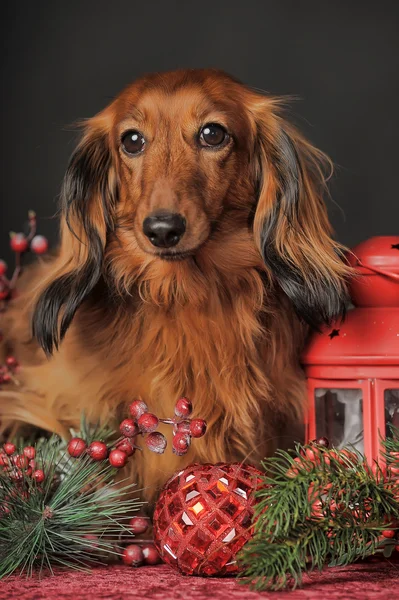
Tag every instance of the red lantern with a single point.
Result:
(353, 367)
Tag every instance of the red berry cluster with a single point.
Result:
(19, 465)
(21, 243)
(8, 370)
(140, 553)
(144, 423)
(318, 451)
(184, 428)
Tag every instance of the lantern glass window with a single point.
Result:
(391, 404)
(339, 416)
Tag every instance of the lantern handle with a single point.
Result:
(393, 276)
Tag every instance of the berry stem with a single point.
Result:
(17, 271)
(32, 228)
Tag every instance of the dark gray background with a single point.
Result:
(61, 61)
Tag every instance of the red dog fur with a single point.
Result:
(217, 318)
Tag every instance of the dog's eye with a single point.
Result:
(213, 135)
(133, 142)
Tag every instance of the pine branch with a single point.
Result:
(72, 519)
(317, 507)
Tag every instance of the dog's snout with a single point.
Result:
(164, 230)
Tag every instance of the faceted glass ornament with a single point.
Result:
(204, 516)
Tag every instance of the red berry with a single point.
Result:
(32, 464)
(39, 244)
(156, 442)
(97, 450)
(9, 448)
(389, 533)
(323, 441)
(150, 553)
(311, 454)
(6, 378)
(138, 525)
(183, 408)
(16, 475)
(117, 458)
(38, 475)
(4, 510)
(4, 460)
(129, 428)
(29, 452)
(137, 408)
(180, 444)
(19, 243)
(126, 446)
(11, 361)
(197, 428)
(133, 555)
(3, 267)
(148, 422)
(393, 471)
(20, 461)
(76, 447)
(183, 427)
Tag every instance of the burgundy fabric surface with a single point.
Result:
(372, 580)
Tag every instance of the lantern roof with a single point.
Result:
(366, 342)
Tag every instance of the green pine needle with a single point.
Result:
(309, 515)
(75, 518)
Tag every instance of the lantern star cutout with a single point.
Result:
(334, 333)
(395, 246)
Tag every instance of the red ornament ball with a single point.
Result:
(97, 450)
(19, 243)
(133, 555)
(150, 554)
(148, 422)
(183, 408)
(156, 442)
(9, 448)
(39, 244)
(76, 447)
(129, 428)
(3, 267)
(204, 517)
(138, 525)
(137, 408)
(117, 458)
(197, 428)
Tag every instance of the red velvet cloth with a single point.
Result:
(367, 581)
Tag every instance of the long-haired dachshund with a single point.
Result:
(195, 247)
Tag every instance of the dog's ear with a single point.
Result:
(88, 198)
(291, 224)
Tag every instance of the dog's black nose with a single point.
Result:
(164, 230)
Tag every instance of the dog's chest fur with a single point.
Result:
(220, 353)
